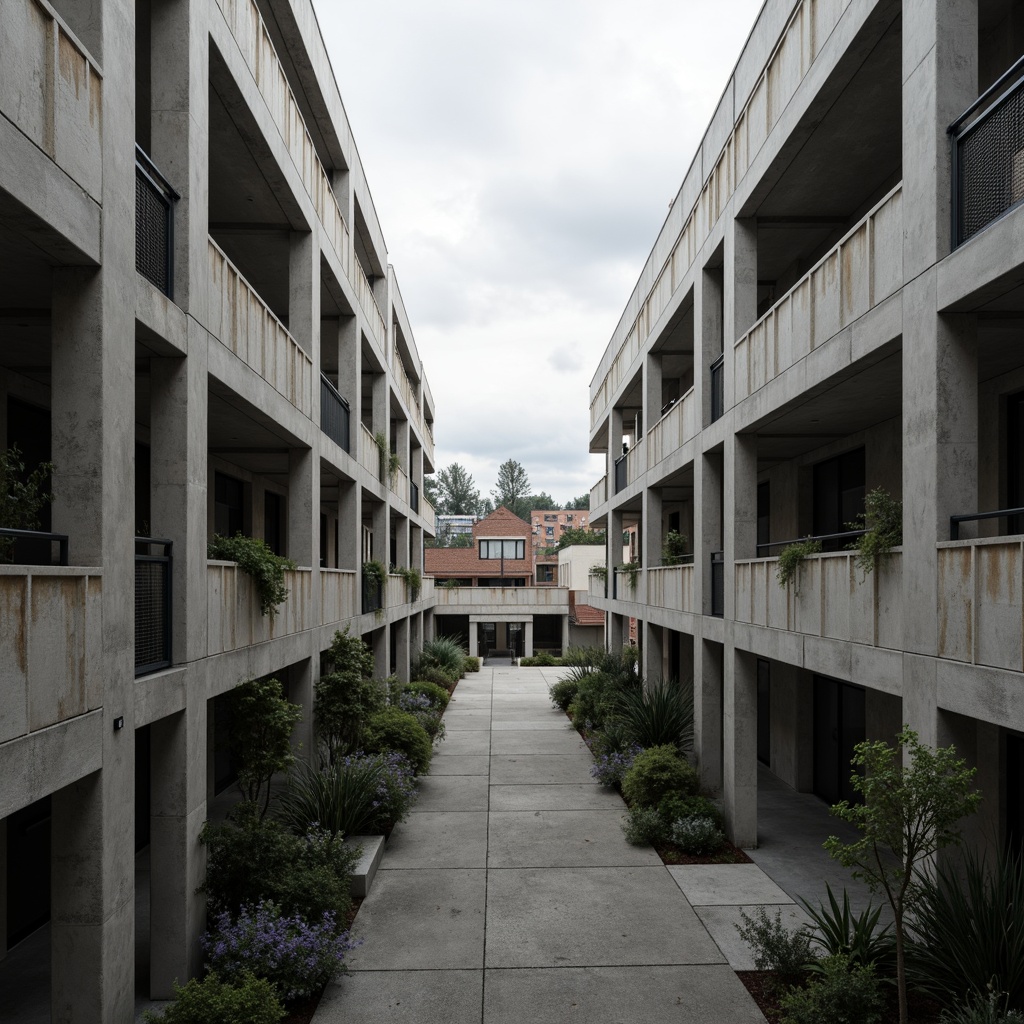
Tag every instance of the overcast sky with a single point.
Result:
(522, 158)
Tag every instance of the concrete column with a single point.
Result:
(402, 540)
(304, 296)
(528, 638)
(618, 628)
(402, 446)
(381, 409)
(302, 678)
(415, 636)
(380, 642)
(707, 319)
(652, 390)
(303, 510)
(178, 758)
(653, 642)
(707, 527)
(614, 445)
(180, 131)
(940, 80)
(650, 529)
(178, 486)
(350, 518)
(792, 738)
(474, 639)
(402, 646)
(614, 540)
(565, 633)
(707, 712)
(940, 447)
(350, 361)
(740, 498)
(381, 536)
(416, 547)
(739, 746)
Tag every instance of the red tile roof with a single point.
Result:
(587, 615)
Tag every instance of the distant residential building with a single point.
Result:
(547, 526)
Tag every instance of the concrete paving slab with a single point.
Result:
(536, 741)
(451, 793)
(577, 796)
(464, 742)
(458, 720)
(726, 884)
(543, 839)
(587, 917)
(422, 920)
(721, 923)
(512, 769)
(461, 764)
(611, 995)
(438, 839)
(512, 723)
(414, 997)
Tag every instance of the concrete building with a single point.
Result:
(576, 563)
(834, 305)
(486, 594)
(201, 330)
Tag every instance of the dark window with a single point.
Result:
(142, 485)
(1015, 460)
(510, 549)
(1015, 794)
(273, 515)
(839, 725)
(764, 712)
(838, 495)
(764, 505)
(323, 541)
(228, 514)
(28, 427)
(28, 870)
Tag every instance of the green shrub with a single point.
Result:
(445, 653)
(843, 993)
(675, 805)
(662, 713)
(251, 859)
(774, 946)
(839, 933)
(882, 518)
(394, 729)
(345, 697)
(250, 1000)
(990, 1009)
(790, 559)
(656, 772)
(673, 550)
(435, 675)
(563, 693)
(542, 660)
(594, 704)
(437, 695)
(969, 921)
(697, 836)
(471, 663)
(643, 826)
(255, 558)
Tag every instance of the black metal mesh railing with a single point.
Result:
(414, 497)
(154, 224)
(718, 583)
(33, 547)
(620, 473)
(988, 156)
(334, 414)
(152, 605)
(717, 388)
(373, 595)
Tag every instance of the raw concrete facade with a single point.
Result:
(827, 310)
(201, 331)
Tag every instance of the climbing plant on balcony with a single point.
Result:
(882, 521)
(790, 559)
(255, 558)
(412, 577)
(631, 570)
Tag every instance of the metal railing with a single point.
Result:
(373, 595)
(153, 618)
(32, 547)
(414, 497)
(717, 388)
(334, 414)
(1014, 515)
(154, 224)
(718, 583)
(988, 155)
(620, 472)
(823, 538)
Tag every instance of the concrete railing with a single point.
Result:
(408, 391)
(244, 323)
(364, 293)
(671, 587)
(800, 42)
(674, 429)
(369, 453)
(599, 492)
(624, 592)
(636, 462)
(51, 634)
(250, 34)
(52, 90)
(427, 510)
(495, 598)
(396, 593)
(338, 590)
(862, 270)
(597, 587)
(831, 598)
(981, 596)
(233, 613)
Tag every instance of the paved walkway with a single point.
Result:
(511, 896)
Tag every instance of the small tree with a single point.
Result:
(21, 497)
(346, 696)
(262, 719)
(914, 800)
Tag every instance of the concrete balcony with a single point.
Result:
(671, 587)
(830, 599)
(597, 589)
(244, 323)
(481, 600)
(338, 595)
(364, 293)
(234, 619)
(51, 630)
(599, 492)
(862, 270)
(52, 90)
(981, 595)
(673, 430)
(369, 453)
(250, 34)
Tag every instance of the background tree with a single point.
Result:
(430, 490)
(345, 696)
(583, 501)
(457, 494)
(910, 811)
(542, 500)
(513, 489)
(22, 496)
(579, 535)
